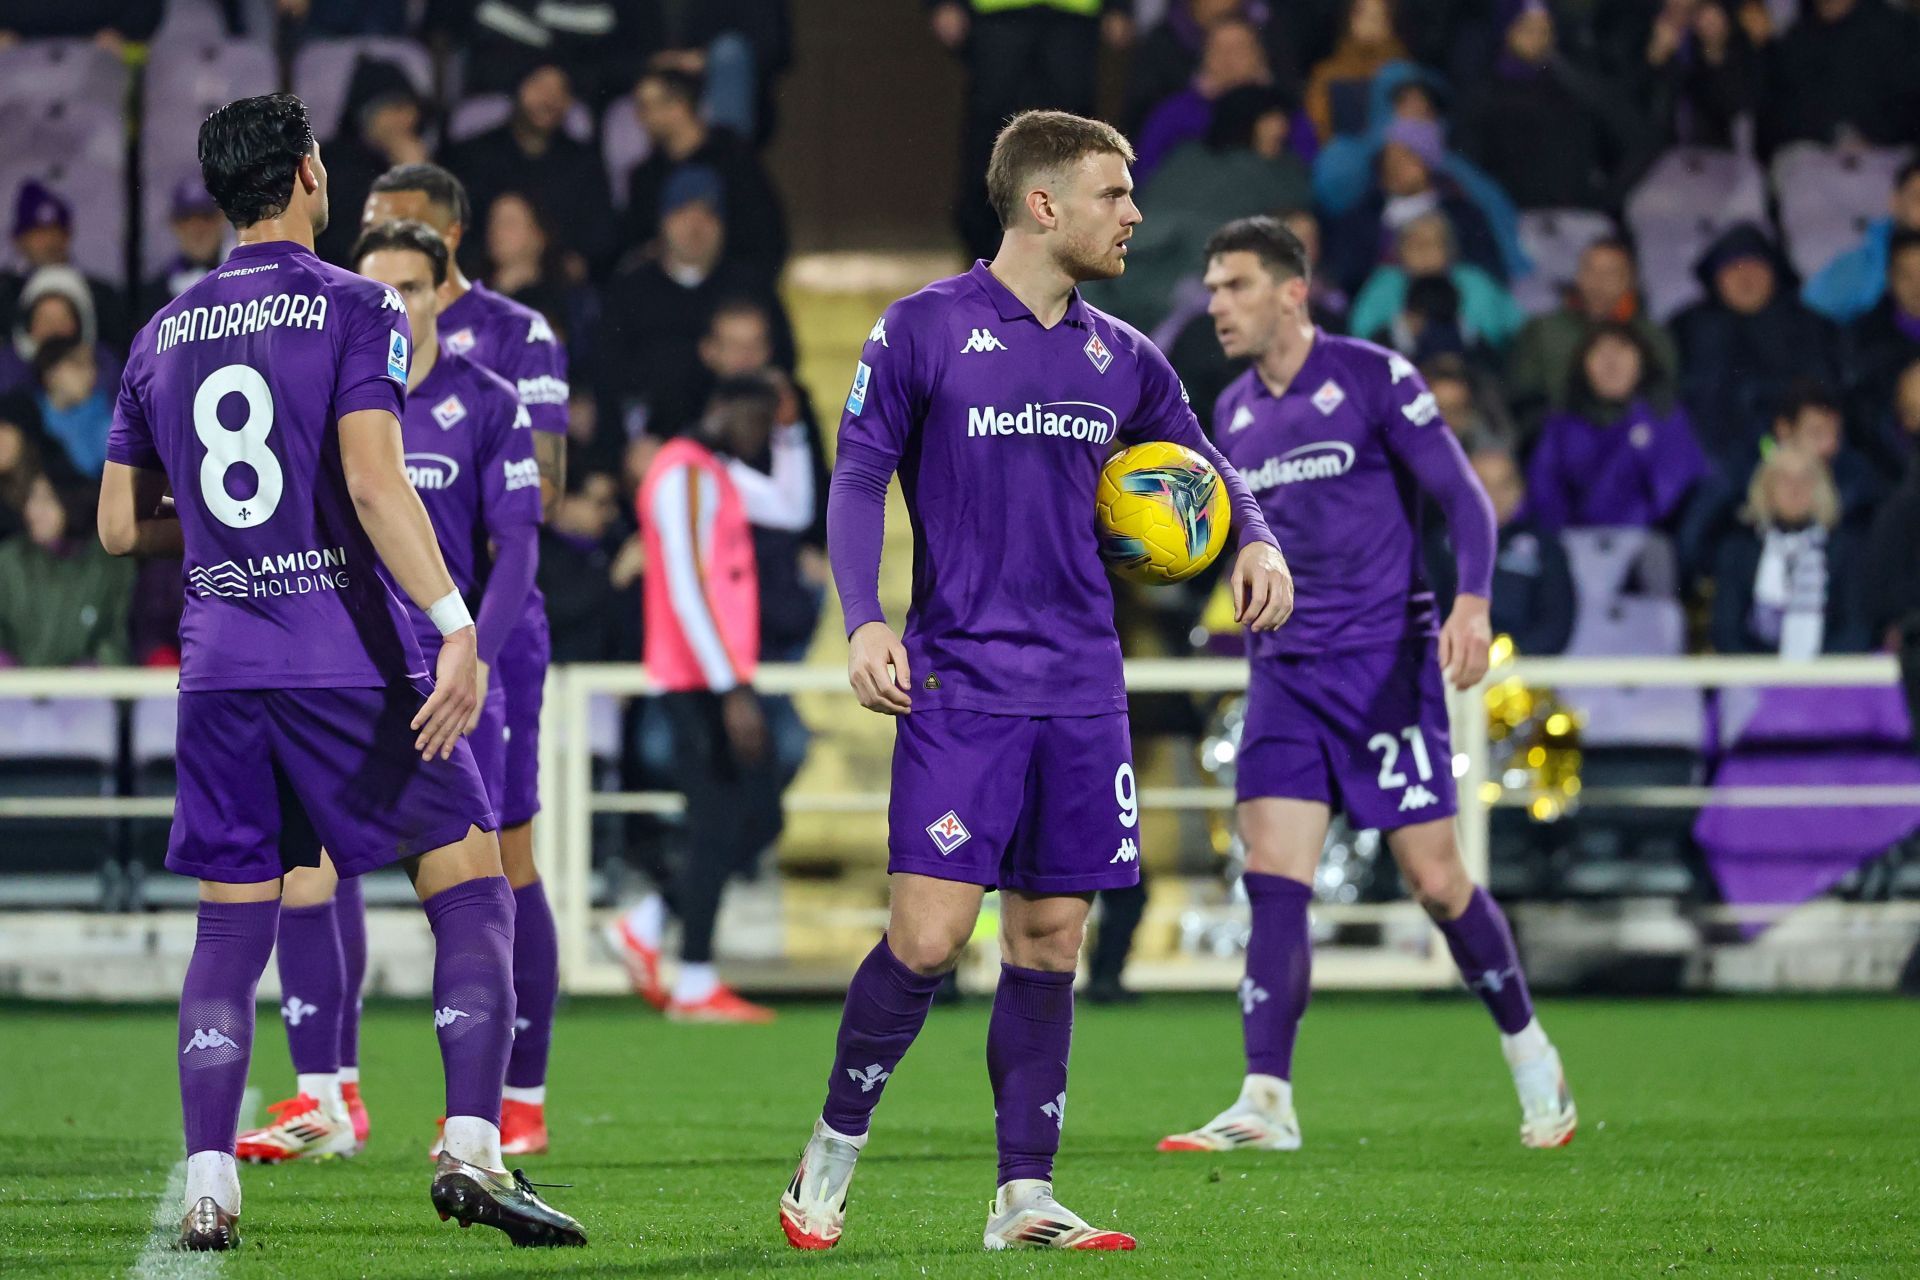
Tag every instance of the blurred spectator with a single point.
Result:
(1020, 55)
(1690, 63)
(1486, 313)
(200, 243)
(1893, 434)
(55, 303)
(1469, 401)
(1347, 168)
(76, 409)
(1231, 59)
(740, 341)
(1887, 339)
(669, 107)
(1844, 73)
(1553, 135)
(599, 44)
(736, 48)
(656, 310)
(1848, 286)
(1533, 598)
(591, 613)
(344, 18)
(1338, 87)
(1785, 580)
(1605, 289)
(1890, 578)
(43, 237)
(110, 23)
(380, 127)
(523, 264)
(1750, 339)
(1411, 184)
(1614, 456)
(1167, 57)
(63, 599)
(25, 456)
(532, 154)
(1242, 168)
(1428, 324)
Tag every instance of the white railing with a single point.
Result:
(564, 833)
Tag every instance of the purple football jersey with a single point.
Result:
(1339, 463)
(998, 429)
(516, 342)
(235, 390)
(470, 458)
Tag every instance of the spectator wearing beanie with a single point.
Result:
(1410, 182)
(43, 237)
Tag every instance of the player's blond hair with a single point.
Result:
(1038, 143)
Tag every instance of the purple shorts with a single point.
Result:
(1042, 804)
(489, 737)
(1365, 732)
(267, 776)
(520, 670)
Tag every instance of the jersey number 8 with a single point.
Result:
(226, 449)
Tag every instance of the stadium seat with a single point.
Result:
(623, 144)
(187, 83)
(58, 747)
(47, 71)
(323, 69)
(79, 153)
(1787, 716)
(1554, 239)
(474, 116)
(1608, 562)
(1688, 198)
(1828, 195)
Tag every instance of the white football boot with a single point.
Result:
(1547, 1115)
(1261, 1119)
(303, 1128)
(813, 1210)
(1026, 1216)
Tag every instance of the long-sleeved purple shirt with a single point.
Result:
(1341, 461)
(998, 429)
(1634, 470)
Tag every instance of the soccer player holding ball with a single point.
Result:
(997, 395)
(1343, 443)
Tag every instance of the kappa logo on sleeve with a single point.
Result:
(397, 356)
(879, 332)
(857, 397)
(392, 302)
(538, 330)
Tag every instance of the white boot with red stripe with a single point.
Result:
(1026, 1216)
(303, 1128)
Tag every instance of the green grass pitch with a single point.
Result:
(1721, 1137)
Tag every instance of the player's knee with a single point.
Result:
(1441, 887)
(927, 947)
(1051, 946)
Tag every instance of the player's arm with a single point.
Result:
(541, 380)
(136, 516)
(550, 455)
(1431, 452)
(783, 499)
(1261, 583)
(510, 511)
(374, 463)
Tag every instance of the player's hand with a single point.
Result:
(745, 723)
(1262, 587)
(1464, 641)
(455, 701)
(481, 671)
(872, 649)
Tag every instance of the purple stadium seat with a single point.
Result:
(474, 116)
(61, 71)
(323, 68)
(1554, 239)
(1828, 195)
(623, 144)
(79, 150)
(1786, 716)
(181, 89)
(78, 729)
(155, 722)
(1688, 198)
(1635, 626)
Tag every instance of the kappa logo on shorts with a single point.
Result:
(1417, 797)
(1129, 852)
(948, 832)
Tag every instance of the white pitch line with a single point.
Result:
(158, 1259)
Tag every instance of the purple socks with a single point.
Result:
(473, 991)
(1027, 1044)
(230, 951)
(1273, 995)
(313, 986)
(350, 915)
(886, 1006)
(1482, 946)
(536, 986)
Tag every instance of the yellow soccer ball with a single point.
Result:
(1162, 513)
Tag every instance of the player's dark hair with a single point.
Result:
(1619, 244)
(1580, 392)
(1038, 142)
(1266, 238)
(1803, 394)
(683, 85)
(403, 234)
(250, 154)
(438, 185)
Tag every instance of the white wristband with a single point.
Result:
(449, 613)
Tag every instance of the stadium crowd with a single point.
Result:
(1659, 261)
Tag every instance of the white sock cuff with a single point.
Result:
(534, 1094)
(1526, 1044)
(1267, 1092)
(349, 1075)
(216, 1174)
(324, 1086)
(858, 1143)
(475, 1141)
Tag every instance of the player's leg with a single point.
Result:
(1077, 835)
(350, 915)
(1477, 934)
(314, 1123)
